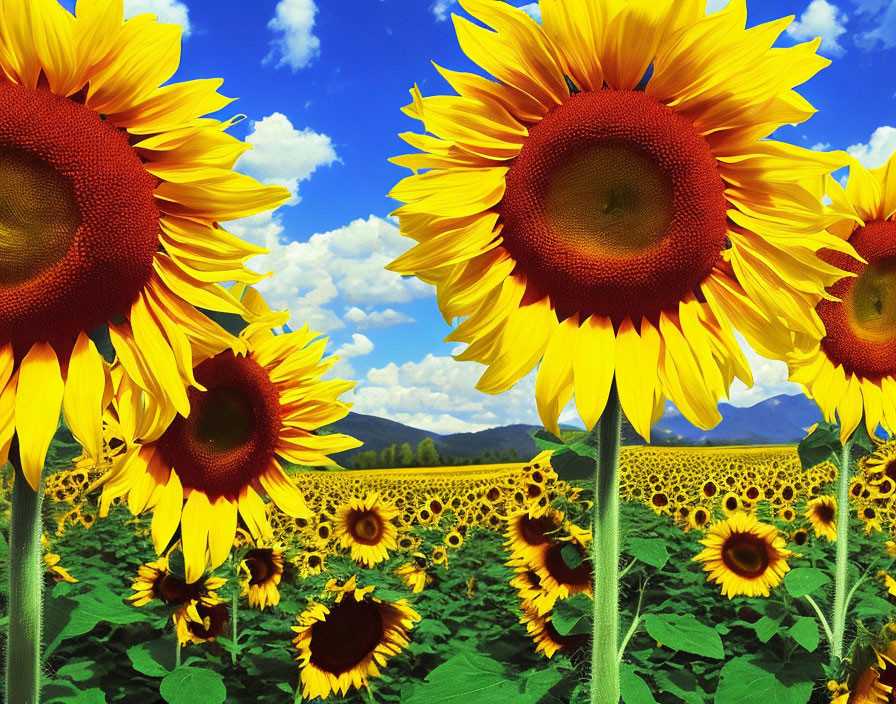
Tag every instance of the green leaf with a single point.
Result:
(634, 689)
(574, 462)
(571, 555)
(539, 682)
(821, 445)
(77, 671)
(466, 678)
(805, 632)
(187, 685)
(572, 615)
(546, 440)
(147, 658)
(750, 679)
(861, 438)
(651, 551)
(767, 627)
(805, 580)
(685, 633)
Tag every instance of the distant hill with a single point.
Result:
(782, 419)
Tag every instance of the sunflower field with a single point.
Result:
(601, 207)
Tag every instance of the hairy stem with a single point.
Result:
(605, 557)
(838, 617)
(23, 652)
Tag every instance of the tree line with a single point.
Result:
(426, 455)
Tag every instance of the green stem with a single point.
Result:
(635, 621)
(838, 617)
(821, 618)
(234, 609)
(25, 589)
(177, 648)
(605, 556)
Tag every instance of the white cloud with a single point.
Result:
(885, 32)
(769, 379)
(715, 5)
(821, 19)
(172, 11)
(375, 319)
(533, 10)
(878, 149)
(284, 155)
(297, 47)
(820, 146)
(441, 9)
(358, 347)
(331, 269)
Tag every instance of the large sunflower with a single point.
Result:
(340, 646)
(256, 407)
(365, 526)
(853, 372)
(609, 207)
(115, 187)
(744, 556)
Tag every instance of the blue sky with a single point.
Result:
(321, 83)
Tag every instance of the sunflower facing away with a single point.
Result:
(609, 208)
(744, 556)
(257, 407)
(115, 188)
(876, 684)
(343, 644)
(155, 580)
(822, 514)
(853, 372)
(365, 526)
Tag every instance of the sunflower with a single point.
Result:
(439, 556)
(365, 525)
(563, 564)
(732, 503)
(787, 514)
(311, 563)
(257, 407)
(527, 534)
(799, 537)
(876, 684)
(822, 514)
(699, 517)
(414, 573)
(200, 621)
(155, 580)
(115, 186)
(264, 569)
(853, 373)
(881, 464)
(343, 644)
(530, 590)
(454, 539)
(51, 563)
(546, 637)
(744, 556)
(609, 207)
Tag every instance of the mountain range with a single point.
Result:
(781, 419)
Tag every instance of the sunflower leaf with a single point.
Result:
(749, 679)
(821, 445)
(805, 632)
(187, 685)
(685, 633)
(546, 440)
(571, 616)
(634, 689)
(651, 551)
(805, 580)
(466, 678)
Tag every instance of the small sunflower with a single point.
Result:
(853, 373)
(311, 563)
(822, 514)
(699, 517)
(454, 539)
(156, 581)
(258, 407)
(787, 514)
(548, 640)
(799, 537)
(342, 645)
(414, 573)
(439, 556)
(881, 464)
(365, 525)
(263, 567)
(609, 207)
(114, 186)
(744, 556)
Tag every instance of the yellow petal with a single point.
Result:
(284, 492)
(594, 365)
(82, 403)
(38, 403)
(553, 385)
(167, 514)
(194, 534)
(223, 531)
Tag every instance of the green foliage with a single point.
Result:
(821, 445)
(805, 580)
(750, 679)
(187, 685)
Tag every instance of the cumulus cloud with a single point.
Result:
(331, 269)
(375, 319)
(821, 19)
(769, 379)
(715, 5)
(878, 149)
(820, 146)
(358, 347)
(172, 11)
(297, 46)
(283, 155)
(441, 9)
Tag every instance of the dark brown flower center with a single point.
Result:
(214, 618)
(614, 207)
(746, 555)
(79, 225)
(261, 565)
(576, 578)
(825, 513)
(365, 527)
(173, 590)
(349, 634)
(230, 437)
